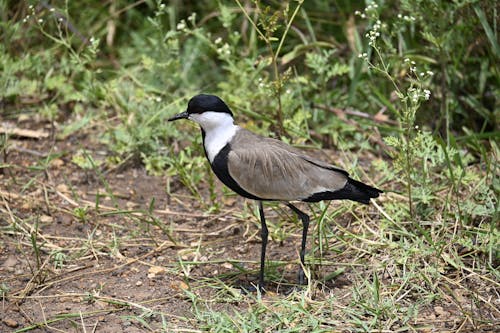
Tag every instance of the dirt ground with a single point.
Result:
(142, 269)
(119, 258)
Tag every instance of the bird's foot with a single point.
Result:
(301, 277)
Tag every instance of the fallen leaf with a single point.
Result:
(381, 117)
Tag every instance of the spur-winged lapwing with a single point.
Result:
(265, 169)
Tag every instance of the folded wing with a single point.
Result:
(272, 170)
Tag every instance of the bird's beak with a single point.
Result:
(182, 115)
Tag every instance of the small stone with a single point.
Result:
(62, 188)
(155, 270)
(46, 219)
(57, 163)
(11, 323)
(179, 285)
(439, 310)
(138, 283)
(131, 205)
(227, 265)
(10, 262)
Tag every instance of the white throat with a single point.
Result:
(219, 129)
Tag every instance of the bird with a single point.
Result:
(267, 169)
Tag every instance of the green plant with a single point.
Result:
(58, 258)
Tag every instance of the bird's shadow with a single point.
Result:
(279, 281)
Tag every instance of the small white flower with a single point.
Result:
(224, 49)
(416, 127)
(60, 19)
(427, 94)
(40, 20)
(181, 25)
(400, 16)
(162, 6)
(357, 12)
(407, 60)
(363, 15)
(430, 73)
(52, 9)
(218, 40)
(421, 74)
(158, 99)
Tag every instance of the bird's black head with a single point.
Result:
(202, 103)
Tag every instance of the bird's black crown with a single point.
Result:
(201, 103)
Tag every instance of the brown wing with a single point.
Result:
(271, 169)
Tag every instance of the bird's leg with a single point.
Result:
(264, 236)
(305, 223)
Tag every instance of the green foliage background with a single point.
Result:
(283, 68)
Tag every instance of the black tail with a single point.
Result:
(353, 190)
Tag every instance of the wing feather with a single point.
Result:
(273, 170)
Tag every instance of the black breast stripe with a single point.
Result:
(220, 168)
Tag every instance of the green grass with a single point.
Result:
(387, 89)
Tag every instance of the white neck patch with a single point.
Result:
(219, 129)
